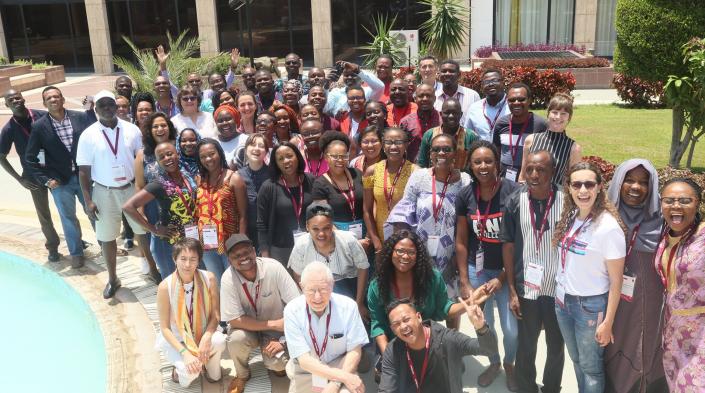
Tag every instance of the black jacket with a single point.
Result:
(58, 158)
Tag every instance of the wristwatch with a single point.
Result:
(481, 331)
(282, 340)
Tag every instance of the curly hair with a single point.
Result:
(136, 99)
(478, 144)
(293, 117)
(422, 271)
(148, 142)
(570, 210)
(697, 190)
(201, 168)
(331, 136)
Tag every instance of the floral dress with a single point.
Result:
(218, 207)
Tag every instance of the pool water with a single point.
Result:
(51, 339)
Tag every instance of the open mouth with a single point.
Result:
(583, 199)
(676, 218)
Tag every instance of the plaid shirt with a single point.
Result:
(64, 130)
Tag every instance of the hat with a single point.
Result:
(318, 208)
(104, 94)
(236, 239)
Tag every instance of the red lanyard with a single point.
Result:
(297, 206)
(480, 220)
(25, 130)
(437, 208)
(419, 381)
(538, 235)
(389, 193)
(569, 240)
(253, 303)
(491, 123)
(671, 255)
(513, 150)
(632, 240)
(171, 108)
(181, 196)
(349, 195)
(310, 165)
(113, 148)
(322, 349)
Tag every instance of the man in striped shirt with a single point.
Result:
(531, 264)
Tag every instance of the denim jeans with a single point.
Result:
(346, 287)
(65, 200)
(578, 321)
(215, 263)
(510, 329)
(161, 251)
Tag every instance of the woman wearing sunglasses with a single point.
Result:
(590, 237)
(680, 263)
(189, 100)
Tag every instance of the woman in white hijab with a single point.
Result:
(633, 362)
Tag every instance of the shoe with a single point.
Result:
(77, 261)
(128, 244)
(237, 385)
(144, 266)
(54, 256)
(174, 375)
(488, 376)
(111, 288)
(511, 377)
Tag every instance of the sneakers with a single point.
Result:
(54, 256)
(144, 266)
(77, 261)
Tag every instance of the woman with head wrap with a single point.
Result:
(227, 120)
(633, 361)
(186, 141)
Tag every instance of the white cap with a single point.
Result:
(104, 94)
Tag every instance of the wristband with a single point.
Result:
(481, 331)
(181, 352)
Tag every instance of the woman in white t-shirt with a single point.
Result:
(590, 237)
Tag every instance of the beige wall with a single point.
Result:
(99, 32)
(585, 23)
(207, 27)
(322, 33)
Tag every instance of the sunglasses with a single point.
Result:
(669, 201)
(189, 99)
(577, 185)
(517, 99)
(444, 149)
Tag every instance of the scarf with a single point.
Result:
(648, 215)
(200, 306)
(189, 164)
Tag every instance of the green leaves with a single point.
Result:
(446, 27)
(382, 42)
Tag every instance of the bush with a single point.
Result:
(650, 34)
(486, 51)
(588, 62)
(638, 92)
(606, 167)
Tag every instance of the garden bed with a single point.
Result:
(52, 74)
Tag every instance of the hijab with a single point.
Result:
(648, 215)
(189, 164)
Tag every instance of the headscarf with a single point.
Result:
(233, 112)
(189, 164)
(647, 216)
(200, 310)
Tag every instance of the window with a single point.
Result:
(533, 21)
(606, 33)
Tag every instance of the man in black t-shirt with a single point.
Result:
(519, 123)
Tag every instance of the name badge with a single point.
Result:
(41, 157)
(628, 287)
(560, 295)
(191, 231)
(533, 276)
(356, 230)
(297, 233)
(511, 174)
(432, 244)
(119, 173)
(479, 261)
(318, 383)
(210, 236)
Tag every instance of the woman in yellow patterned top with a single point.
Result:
(384, 184)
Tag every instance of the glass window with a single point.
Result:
(606, 33)
(533, 21)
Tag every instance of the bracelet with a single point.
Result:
(481, 331)
(181, 352)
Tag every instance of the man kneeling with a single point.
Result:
(188, 306)
(426, 356)
(325, 335)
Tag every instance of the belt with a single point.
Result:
(683, 312)
(122, 187)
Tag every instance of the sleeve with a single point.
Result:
(468, 121)
(424, 156)
(136, 141)
(288, 290)
(376, 85)
(264, 208)
(357, 253)
(155, 188)
(613, 243)
(510, 218)
(31, 151)
(229, 78)
(230, 307)
(295, 333)
(461, 204)
(374, 303)
(356, 334)
(484, 345)
(6, 139)
(440, 293)
(85, 151)
(320, 189)
(390, 377)
(296, 258)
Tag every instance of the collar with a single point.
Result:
(499, 104)
(66, 117)
(260, 272)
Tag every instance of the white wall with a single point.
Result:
(480, 23)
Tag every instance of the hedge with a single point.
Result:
(587, 62)
(638, 92)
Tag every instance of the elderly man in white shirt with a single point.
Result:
(483, 114)
(449, 76)
(105, 157)
(325, 335)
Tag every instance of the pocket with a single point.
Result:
(593, 305)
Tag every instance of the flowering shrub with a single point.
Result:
(606, 167)
(486, 51)
(587, 62)
(639, 92)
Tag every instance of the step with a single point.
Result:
(27, 81)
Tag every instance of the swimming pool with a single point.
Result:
(51, 339)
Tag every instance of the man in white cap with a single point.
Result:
(105, 158)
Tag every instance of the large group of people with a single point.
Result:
(325, 222)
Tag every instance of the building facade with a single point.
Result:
(85, 35)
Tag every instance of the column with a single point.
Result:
(99, 33)
(322, 33)
(480, 24)
(3, 43)
(585, 23)
(207, 27)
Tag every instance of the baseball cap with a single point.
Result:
(104, 94)
(318, 208)
(236, 239)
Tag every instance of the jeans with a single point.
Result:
(161, 251)
(578, 321)
(40, 197)
(64, 199)
(506, 318)
(346, 287)
(215, 263)
(535, 314)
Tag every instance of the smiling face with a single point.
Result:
(349, 77)
(195, 81)
(243, 257)
(283, 123)
(189, 103)
(160, 130)
(15, 102)
(384, 68)
(186, 262)
(584, 189)
(265, 123)
(451, 114)
(106, 109)
(292, 63)
(256, 151)
(449, 75)
(263, 82)
(518, 101)
(371, 145)
(406, 323)
(375, 114)
(287, 161)
(679, 204)
(317, 97)
(395, 144)
(558, 119)
(226, 98)
(123, 108)
(399, 93)
(217, 83)
(484, 165)
(538, 171)
(311, 131)
(443, 152)
(356, 100)
(635, 187)
(317, 290)
(246, 105)
(210, 158)
(492, 84)
(321, 229)
(161, 86)
(428, 69)
(316, 76)
(290, 92)
(227, 128)
(425, 97)
(53, 100)
(309, 112)
(248, 78)
(144, 109)
(123, 86)
(337, 156)
(404, 255)
(167, 158)
(187, 143)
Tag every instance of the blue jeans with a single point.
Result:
(510, 329)
(578, 321)
(346, 287)
(161, 251)
(215, 263)
(64, 199)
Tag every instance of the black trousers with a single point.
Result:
(40, 198)
(535, 314)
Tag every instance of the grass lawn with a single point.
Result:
(617, 134)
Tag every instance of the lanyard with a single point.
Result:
(538, 235)
(569, 240)
(349, 195)
(317, 171)
(297, 206)
(209, 190)
(437, 208)
(491, 123)
(480, 220)
(389, 193)
(113, 148)
(513, 150)
(253, 303)
(632, 240)
(322, 349)
(181, 196)
(671, 255)
(171, 108)
(419, 381)
(25, 130)
(189, 311)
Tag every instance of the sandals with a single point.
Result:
(174, 375)
(121, 252)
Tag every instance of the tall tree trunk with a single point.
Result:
(691, 149)
(678, 120)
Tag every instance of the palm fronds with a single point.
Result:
(382, 42)
(446, 27)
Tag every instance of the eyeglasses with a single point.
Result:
(321, 291)
(339, 157)
(369, 141)
(265, 121)
(401, 252)
(444, 149)
(577, 185)
(189, 98)
(292, 62)
(669, 201)
(311, 135)
(356, 98)
(491, 82)
(397, 142)
(517, 99)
